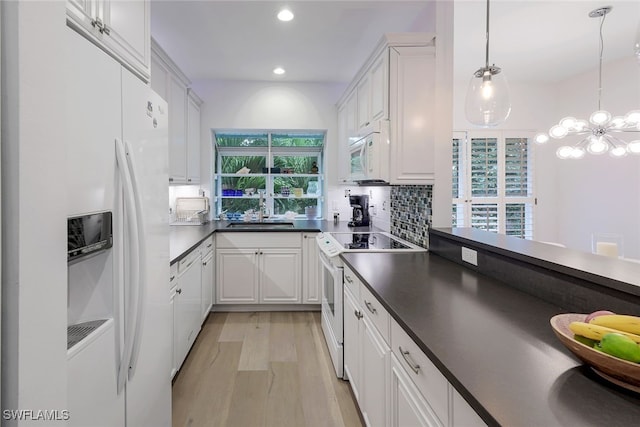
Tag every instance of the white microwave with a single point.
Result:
(369, 154)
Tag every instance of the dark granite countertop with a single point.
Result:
(494, 343)
(185, 238)
(605, 271)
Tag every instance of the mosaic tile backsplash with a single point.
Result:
(411, 213)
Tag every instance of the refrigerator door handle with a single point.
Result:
(140, 261)
(133, 267)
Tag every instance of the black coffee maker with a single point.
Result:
(360, 216)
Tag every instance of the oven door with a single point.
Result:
(332, 311)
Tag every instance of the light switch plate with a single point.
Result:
(470, 256)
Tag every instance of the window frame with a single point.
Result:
(269, 152)
(463, 203)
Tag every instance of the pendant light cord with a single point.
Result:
(486, 61)
(604, 15)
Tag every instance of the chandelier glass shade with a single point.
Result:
(487, 102)
(603, 132)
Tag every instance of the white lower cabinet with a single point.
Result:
(366, 359)
(206, 286)
(351, 345)
(258, 268)
(407, 406)
(310, 269)
(375, 368)
(187, 312)
(395, 386)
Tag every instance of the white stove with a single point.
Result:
(331, 245)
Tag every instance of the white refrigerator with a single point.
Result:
(117, 161)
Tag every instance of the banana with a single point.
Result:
(620, 322)
(596, 332)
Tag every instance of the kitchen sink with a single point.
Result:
(261, 225)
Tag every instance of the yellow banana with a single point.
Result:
(621, 322)
(596, 332)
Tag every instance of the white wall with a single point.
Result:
(273, 105)
(577, 198)
(598, 193)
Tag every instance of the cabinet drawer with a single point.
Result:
(375, 312)
(429, 380)
(259, 240)
(352, 283)
(207, 245)
(186, 262)
(173, 275)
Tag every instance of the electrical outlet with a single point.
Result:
(470, 256)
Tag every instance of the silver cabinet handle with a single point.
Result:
(405, 355)
(204, 263)
(358, 314)
(209, 245)
(178, 291)
(189, 265)
(172, 278)
(370, 307)
(348, 279)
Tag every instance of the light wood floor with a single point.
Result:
(261, 369)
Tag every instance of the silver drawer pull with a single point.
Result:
(358, 314)
(178, 291)
(348, 279)
(172, 278)
(405, 355)
(370, 307)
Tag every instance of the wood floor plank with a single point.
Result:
(318, 399)
(235, 327)
(249, 399)
(255, 348)
(282, 347)
(284, 406)
(204, 398)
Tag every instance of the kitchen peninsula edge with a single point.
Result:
(493, 341)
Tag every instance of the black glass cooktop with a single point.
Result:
(370, 241)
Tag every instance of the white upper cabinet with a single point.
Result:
(193, 138)
(184, 117)
(397, 83)
(121, 28)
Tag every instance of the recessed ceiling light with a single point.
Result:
(278, 70)
(285, 15)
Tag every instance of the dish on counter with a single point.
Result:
(621, 372)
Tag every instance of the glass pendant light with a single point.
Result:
(487, 103)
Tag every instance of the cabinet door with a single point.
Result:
(187, 309)
(193, 142)
(352, 116)
(129, 34)
(380, 87)
(375, 367)
(351, 344)
(177, 131)
(411, 115)
(206, 288)
(463, 414)
(160, 79)
(407, 406)
(280, 278)
(237, 276)
(81, 14)
(310, 270)
(364, 102)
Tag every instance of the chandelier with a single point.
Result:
(602, 133)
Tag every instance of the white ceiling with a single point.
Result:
(329, 40)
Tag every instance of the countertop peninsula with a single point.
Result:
(493, 343)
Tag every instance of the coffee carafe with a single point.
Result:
(360, 205)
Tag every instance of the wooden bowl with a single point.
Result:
(621, 372)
